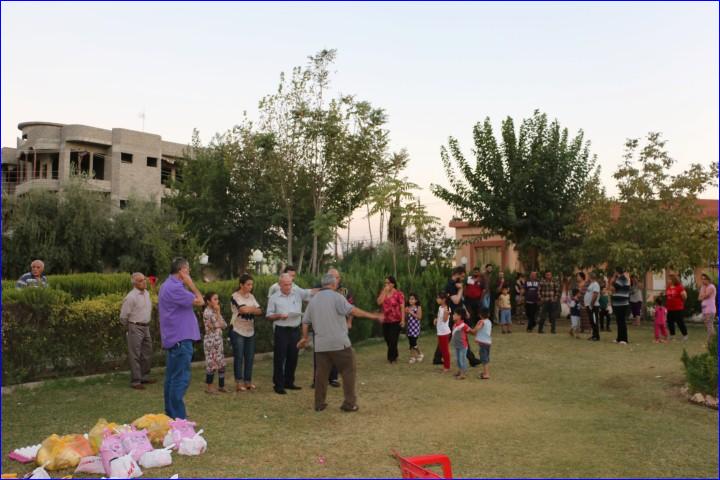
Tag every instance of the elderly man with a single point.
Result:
(178, 330)
(327, 312)
(33, 278)
(135, 315)
(285, 311)
(275, 287)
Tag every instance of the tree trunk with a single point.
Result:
(300, 260)
(289, 236)
(336, 244)
(347, 244)
(367, 206)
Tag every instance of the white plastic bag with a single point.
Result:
(193, 446)
(136, 443)
(157, 458)
(179, 429)
(39, 472)
(124, 467)
(91, 464)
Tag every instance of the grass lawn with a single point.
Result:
(555, 407)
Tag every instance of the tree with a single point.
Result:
(657, 223)
(527, 189)
(224, 196)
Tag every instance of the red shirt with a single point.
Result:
(673, 298)
(393, 307)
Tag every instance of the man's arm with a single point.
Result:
(191, 285)
(304, 340)
(458, 296)
(356, 312)
(272, 313)
(125, 311)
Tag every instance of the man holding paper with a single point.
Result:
(285, 311)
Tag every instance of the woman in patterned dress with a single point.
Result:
(213, 344)
(413, 316)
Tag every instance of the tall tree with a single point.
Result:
(526, 189)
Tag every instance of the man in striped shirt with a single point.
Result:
(33, 278)
(620, 284)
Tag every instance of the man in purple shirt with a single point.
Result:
(178, 329)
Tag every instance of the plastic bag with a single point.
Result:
(96, 433)
(157, 458)
(39, 472)
(179, 429)
(193, 446)
(110, 449)
(157, 426)
(58, 452)
(124, 467)
(136, 443)
(91, 465)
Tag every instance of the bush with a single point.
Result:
(701, 371)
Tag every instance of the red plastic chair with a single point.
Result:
(412, 467)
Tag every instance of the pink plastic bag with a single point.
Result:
(179, 429)
(91, 464)
(136, 443)
(110, 449)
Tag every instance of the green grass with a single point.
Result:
(555, 407)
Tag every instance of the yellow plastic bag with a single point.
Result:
(58, 452)
(96, 433)
(157, 426)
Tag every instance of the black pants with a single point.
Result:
(674, 316)
(285, 355)
(473, 307)
(594, 317)
(620, 316)
(548, 311)
(531, 312)
(391, 332)
(604, 319)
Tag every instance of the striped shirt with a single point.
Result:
(27, 280)
(621, 293)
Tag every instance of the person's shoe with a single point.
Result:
(685, 338)
(622, 342)
(280, 391)
(210, 390)
(420, 357)
(540, 332)
(411, 361)
(349, 408)
(656, 341)
(138, 386)
(223, 390)
(334, 383)
(149, 381)
(292, 387)
(320, 408)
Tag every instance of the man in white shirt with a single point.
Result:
(275, 287)
(285, 311)
(592, 304)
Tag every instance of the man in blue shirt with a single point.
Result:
(33, 278)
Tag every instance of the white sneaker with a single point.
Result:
(622, 343)
(412, 360)
(420, 358)
(685, 338)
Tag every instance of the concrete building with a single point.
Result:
(119, 162)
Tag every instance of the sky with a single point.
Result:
(614, 70)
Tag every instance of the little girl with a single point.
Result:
(442, 323)
(660, 321)
(213, 343)
(505, 310)
(574, 304)
(413, 314)
(459, 341)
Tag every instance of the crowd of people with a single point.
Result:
(465, 307)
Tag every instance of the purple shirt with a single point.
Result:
(177, 318)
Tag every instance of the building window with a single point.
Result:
(126, 157)
(123, 204)
(98, 166)
(485, 255)
(152, 162)
(166, 173)
(80, 162)
(24, 136)
(55, 157)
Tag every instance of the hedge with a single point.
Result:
(73, 328)
(701, 371)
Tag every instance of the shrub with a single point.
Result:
(701, 371)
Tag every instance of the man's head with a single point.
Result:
(548, 275)
(138, 280)
(458, 273)
(291, 271)
(179, 264)
(328, 281)
(581, 276)
(501, 275)
(533, 275)
(488, 268)
(37, 267)
(475, 272)
(335, 273)
(285, 283)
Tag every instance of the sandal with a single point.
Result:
(240, 388)
(484, 377)
(353, 408)
(250, 386)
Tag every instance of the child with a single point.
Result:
(459, 341)
(442, 324)
(660, 321)
(604, 313)
(505, 310)
(213, 344)
(413, 314)
(483, 338)
(574, 304)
